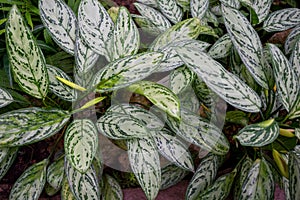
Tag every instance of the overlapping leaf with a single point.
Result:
(60, 21)
(199, 8)
(218, 79)
(125, 39)
(221, 48)
(5, 98)
(171, 10)
(295, 59)
(260, 134)
(55, 173)
(81, 142)
(294, 174)
(180, 79)
(57, 87)
(292, 39)
(247, 43)
(31, 182)
(26, 58)
(159, 95)
(144, 161)
(95, 25)
(28, 125)
(261, 8)
(112, 190)
(66, 193)
(123, 72)
(281, 20)
(170, 175)
(7, 157)
(286, 79)
(231, 3)
(151, 3)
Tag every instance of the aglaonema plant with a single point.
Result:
(255, 81)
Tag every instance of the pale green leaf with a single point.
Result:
(60, 21)
(218, 79)
(5, 98)
(30, 184)
(282, 19)
(81, 142)
(66, 193)
(171, 175)
(180, 79)
(221, 48)
(7, 157)
(26, 59)
(112, 190)
(294, 174)
(199, 8)
(171, 10)
(144, 162)
(55, 173)
(29, 125)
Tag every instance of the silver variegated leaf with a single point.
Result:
(31, 182)
(180, 79)
(7, 157)
(171, 175)
(218, 79)
(220, 189)
(151, 3)
(85, 57)
(184, 4)
(55, 173)
(155, 17)
(200, 132)
(198, 8)
(151, 121)
(247, 42)
(125, 71)
(66, 193)
(29, 125)
(159, 95)
(57, 87)
(203, 177)
(294, 174)
(231, 3)
(121, 126)
(281, 20)
(286, 79)
(26, 59)
(146, 25)
(192, 103)
(184, 30)
(81, 142)
(295, 59)
(125, 40)
(60, 21)
(261, 8)
(83, 185)
(260, 134)
(286, 187)
(112, 190)
(259, 183)
(221, 48)
(292, 39)
(5, 98)
(95, 25)
(144, 162)
(173, 149)
(171, 10)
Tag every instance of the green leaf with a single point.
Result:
(66, 193)
(286, 79)
(31, 182)
(144, 162)
(57, 87)
(173, 149)
(180, 79)
(247, 42)
(294, 174)
(5, 98)
(157, 20)
(171, 175)
(159, 95)
(26, 59)
(29, 125)
(83, 185)
(221, 48)
(60, 21)
(203, 177)
(81, 142)
(125, 71)
(259, 183)
(200, 132)
(125, 40)
(282, 20)
(237, 117)
(112, 190)
(55, 173)
(199, 8)
(7, 157)
(95, 25)
(292, 40)
(261, 8)
(218, 79)
(220, 189)
(121, 126)
(260, 134)
(171, 10)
